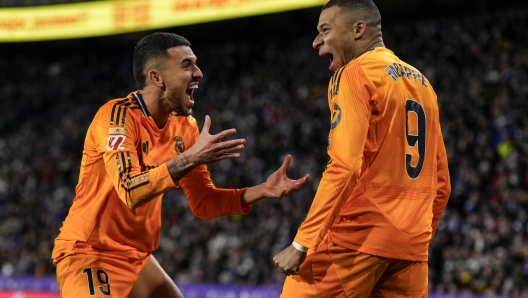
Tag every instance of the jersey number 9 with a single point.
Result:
(415, 131)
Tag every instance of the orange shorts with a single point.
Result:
(97, 274)
(335, 272)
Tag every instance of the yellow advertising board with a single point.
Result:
(107, 17)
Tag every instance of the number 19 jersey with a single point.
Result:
(123, 176)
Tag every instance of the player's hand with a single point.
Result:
(278, 185)
(289, 260)
(209, 148)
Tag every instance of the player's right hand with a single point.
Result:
(209, 148)
(289, 260)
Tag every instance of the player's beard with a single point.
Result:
(180, 109)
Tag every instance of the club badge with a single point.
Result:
(179, 145)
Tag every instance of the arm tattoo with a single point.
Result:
(185, 161)
(178, 172)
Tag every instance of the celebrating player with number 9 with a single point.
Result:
(387, 183)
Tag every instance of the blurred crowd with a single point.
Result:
(274, 93)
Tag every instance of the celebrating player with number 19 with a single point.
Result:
(137, 148)
(387, 183)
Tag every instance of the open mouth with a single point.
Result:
(329, 56)
(190, 92)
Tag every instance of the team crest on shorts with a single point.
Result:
(179, 145)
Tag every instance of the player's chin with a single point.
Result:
(185, 112)
(336, 64)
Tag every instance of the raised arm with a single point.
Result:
(117, 141)
(208, 202)
(277, 186)
(208, 148)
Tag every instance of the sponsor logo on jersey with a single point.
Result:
(115, 142)
(336, 116)
(116, 131)
(179, 145)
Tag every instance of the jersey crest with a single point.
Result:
(336, 116)
(179, 145)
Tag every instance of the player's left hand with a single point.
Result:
(278, 185)
(289, 260)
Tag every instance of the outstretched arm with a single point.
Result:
(207, 148)
(208, 202)
(277, 186)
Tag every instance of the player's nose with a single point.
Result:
(197, 74)
(318, 41)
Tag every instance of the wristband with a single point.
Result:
(299, 247)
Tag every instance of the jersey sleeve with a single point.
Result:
(115, 137)
(207, 201)
(350, 122)
(443, 184)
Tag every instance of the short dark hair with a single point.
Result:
(364, 9)
(154, 46)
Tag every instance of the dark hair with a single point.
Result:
(154, 46)
(363, 9)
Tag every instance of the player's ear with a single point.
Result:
(155, 78)
(359, 28)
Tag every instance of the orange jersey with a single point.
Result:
(387, 182)
(124, 163)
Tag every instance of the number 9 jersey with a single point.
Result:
(387, 182)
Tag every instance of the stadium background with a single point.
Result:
(263, 78)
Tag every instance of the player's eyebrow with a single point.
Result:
(322, 25)
(188, 60)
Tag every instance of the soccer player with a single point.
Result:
(387, 183)
(137, 148)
